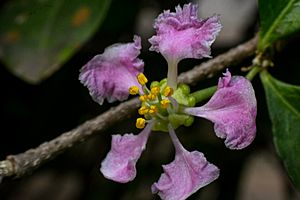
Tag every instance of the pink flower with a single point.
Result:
(119, 164)
(182, 35)
(111, 74)
(233, 110)
(184, 176)
(189, 172)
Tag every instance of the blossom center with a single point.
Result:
(161, 103)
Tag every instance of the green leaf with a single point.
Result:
(284, 108)
(278, 19)
(38, 36)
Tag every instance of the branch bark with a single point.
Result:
(210, 68)
(20, 164)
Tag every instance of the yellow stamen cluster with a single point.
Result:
(154, 101)
(151, 97)
(143, 98)
(143, 110)
(155, 90)
(142, 79)
(133, 90)
(153, 109)
(140, 123)
(168, 91)
(165, 103)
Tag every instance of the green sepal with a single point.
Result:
(183, 97)
(181, 94)
(163, 82)
(154, 84)
(176, 120)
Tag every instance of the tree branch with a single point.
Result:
(24, 163)
(210, 68)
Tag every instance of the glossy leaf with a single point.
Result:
(38, 36)
(278, 18)
(284, 108)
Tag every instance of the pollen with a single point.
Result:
(155, 90)
(143, 110)
(168, 91)
(143, 98)
(142, 79)
(153, 109)
(133, 90)
(140, 123)
(165, 103)
(151, 97)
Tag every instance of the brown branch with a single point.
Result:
(230, 58)
(23, 163)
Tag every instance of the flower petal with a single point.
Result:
(233, 110)
(182, 35)
(111, 74)
(189, 172)
(119, 164)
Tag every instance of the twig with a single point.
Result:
(219, 63)
(24, 163)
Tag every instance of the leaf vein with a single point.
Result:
(276, 22)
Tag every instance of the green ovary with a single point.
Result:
(171, 114)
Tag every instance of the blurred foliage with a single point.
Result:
(38, 36)
(284, 109)
(278, 19)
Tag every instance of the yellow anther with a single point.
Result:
(142, 79)
(165, 103)
(143, 98)
(143, 110)
(155, 90)
(133, 90)
(140, 123)
(151, 96)
(168, 91)
(153, 109)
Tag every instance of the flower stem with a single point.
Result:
(204, 94)
(253, 72)
(172, 74)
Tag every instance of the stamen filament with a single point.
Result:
(162, 117)
(145, 89)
